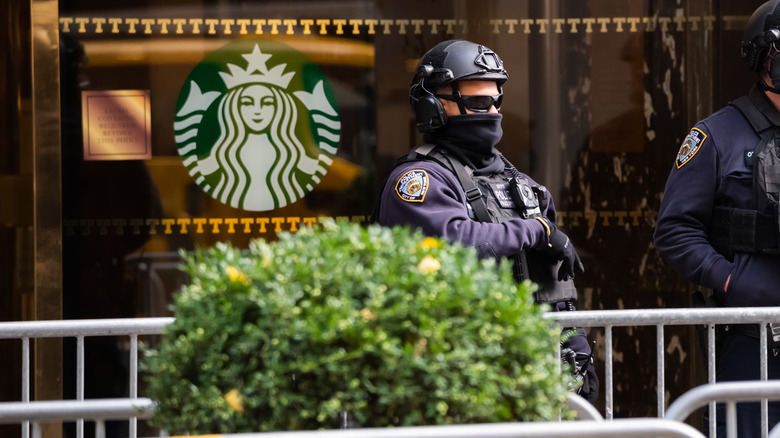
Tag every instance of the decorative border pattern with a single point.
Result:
(333, 26)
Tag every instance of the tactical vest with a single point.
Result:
(754, 231)
(491, 199)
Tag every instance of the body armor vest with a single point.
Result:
(754, 231)
(497, 198)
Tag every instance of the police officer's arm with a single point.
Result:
(686, 212)
(438, 207)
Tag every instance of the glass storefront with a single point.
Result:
(187, 123)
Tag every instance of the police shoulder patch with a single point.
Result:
(412, 186)
(690, 146)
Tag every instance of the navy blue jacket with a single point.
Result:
(441, 209)
(438, 207)
(712, 169)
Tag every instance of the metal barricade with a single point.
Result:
(97, 410)
(624, 428)
(100, 410)
(729, 392)
(582, 408)
(608, 319)
(131, 327)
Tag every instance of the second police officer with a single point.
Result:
(718, 221)
(457, 185)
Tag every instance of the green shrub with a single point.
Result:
(384, 324)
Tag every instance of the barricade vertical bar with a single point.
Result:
(711, 374)
(660, 377)
(608, 370)
(80, 381)
(100, 428)
(133, 380)
(763, 355)
(36, 427)
(26, 381)
(731, 419)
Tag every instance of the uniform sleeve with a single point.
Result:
(424, 195)
(686, 211)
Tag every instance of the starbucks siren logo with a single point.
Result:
(252, 134)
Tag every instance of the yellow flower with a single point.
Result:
(429, 264)
(367, 314)
(233, 398)
(236, 275)
(430, 242)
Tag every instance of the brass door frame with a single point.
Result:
(47, 203)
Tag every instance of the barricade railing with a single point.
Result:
(606, 319)
(582, 408)
(710, 317)
(729, 392)
(624, 428)
(100, 410)
(97, 410)
(130, 327)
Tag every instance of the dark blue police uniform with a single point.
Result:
(425, 193)
(439, 208)
(714, 168)
(427, 196)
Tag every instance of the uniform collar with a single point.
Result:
(762, 102)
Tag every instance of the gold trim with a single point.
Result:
(48, 201)
(158, 51)
(400, 26)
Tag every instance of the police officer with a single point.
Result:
(458, 186)
(718, 221)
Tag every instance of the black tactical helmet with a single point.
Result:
(447, 62)
(456, 60)
(763, 29)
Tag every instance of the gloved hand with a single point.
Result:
(559, 246)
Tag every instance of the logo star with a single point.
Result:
(256, 61)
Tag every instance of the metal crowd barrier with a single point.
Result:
(608, 319)
(97, 410)
(100, 410)
(131, 327)
(729, 392)
(624, 428)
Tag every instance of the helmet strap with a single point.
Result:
(774, 69)
(456, 93)
(765, 87)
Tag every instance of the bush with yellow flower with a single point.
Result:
(383, 325)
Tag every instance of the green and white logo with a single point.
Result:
(257, 125)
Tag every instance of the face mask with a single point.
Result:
(774, 73)
(471, 138)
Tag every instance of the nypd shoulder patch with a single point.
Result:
(412, 186)
(690, 146)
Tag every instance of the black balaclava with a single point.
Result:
(471, 138)
(774, 74)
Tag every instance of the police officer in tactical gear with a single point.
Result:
(718, 221)
(457, 185)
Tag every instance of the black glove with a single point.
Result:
(585, 378)
(559, 246)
